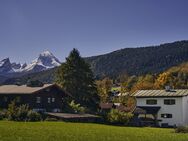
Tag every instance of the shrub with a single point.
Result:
(12, 111)
(117, 117)
(181, 129)
(17, 113)
(77, 108)
(33, 116)
(22, 112)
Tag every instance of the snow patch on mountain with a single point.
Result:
(46, 60)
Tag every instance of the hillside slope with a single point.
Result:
(139, 61)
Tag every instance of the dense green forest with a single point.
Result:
(132, 62)
(140, 61)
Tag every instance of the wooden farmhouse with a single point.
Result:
(48, 98)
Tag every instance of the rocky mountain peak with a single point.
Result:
(46, 60)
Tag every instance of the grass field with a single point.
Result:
(60, 131)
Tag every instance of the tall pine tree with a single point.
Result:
(76, 77)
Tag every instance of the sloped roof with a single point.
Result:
(23, 89)
(161, 93)
(106, 105)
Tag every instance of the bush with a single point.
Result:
(17, 113)
(117, 117)
(12, 111)
(77, 108)
(33, 116)
(22, 112)
(181, 129)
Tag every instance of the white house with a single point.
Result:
(166, 107)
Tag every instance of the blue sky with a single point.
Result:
(28, 27)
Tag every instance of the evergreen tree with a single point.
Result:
(76, 77)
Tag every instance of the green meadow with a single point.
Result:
(61, 131)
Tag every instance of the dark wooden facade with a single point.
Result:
(49, 99)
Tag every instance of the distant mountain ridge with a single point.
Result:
(46, 60)
(131, 61)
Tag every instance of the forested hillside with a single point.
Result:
(139, 61)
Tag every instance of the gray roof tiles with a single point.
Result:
(161, 93)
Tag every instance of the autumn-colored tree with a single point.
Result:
(123, 87)
(130, 82)
(104, 87)
(162, 80)
(144, 83)
(176, 77)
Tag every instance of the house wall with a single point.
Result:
(178, 117)
(24, 99)
(44, 104)
(185, 110)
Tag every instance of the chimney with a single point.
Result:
(167, 88)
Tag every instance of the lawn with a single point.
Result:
(60, 131)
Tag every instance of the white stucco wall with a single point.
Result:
(179, 116)
(185, 110)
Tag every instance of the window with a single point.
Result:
(38, 99)
(169, 102)
(49, 100)
(53, 99)
(166, 115)
(151, 102)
